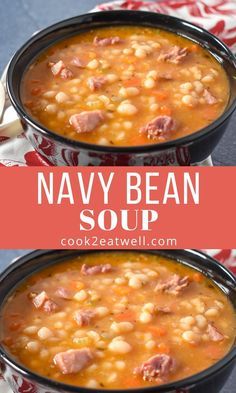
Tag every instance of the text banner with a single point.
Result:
(118, 207)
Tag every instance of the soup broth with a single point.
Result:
(125, 86)
(118, 320)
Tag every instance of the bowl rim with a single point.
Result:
(186, 140)
(5, 357)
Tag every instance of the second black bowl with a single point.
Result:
(22, 380)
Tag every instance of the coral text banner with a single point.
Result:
(118, 208)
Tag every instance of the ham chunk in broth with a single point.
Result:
(117, 320)
(125, 86)
(72, 361)
(91, 270)
(173, 285)
(86, 121)
(160, 127)
(157, 368)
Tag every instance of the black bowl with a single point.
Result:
(62, 151)
(210, 380)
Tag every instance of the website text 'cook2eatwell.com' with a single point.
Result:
(117, 205)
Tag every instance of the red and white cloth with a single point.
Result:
(217, 16)
(227, 257)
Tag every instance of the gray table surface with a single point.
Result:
(20, 18)
(6, 256)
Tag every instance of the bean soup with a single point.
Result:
(117, 320)
(125, 86)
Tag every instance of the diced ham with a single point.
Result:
(107, 41)
(57, 68)
(50, 306)
(165, 76)
(174, 55)
(64, 293)
(163, 310)
(86, 121)
(66, 73)
(156, 368)
(77, 62)
(161, 126)
(60, 68)
(173, 285)
(96, 82)
(84, 317)
(40, 299)
(209, 98)
(214, 333)
(87, 270)
(73, 360)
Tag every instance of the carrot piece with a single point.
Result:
(165, 110)
(210, 113)
(197, 277)
(51, 52)
(157, 331)
(122, 290)
(76, 285)
(125, 316)
(14, 315)
(132, 82)
(8, 341)
(160, 95)
(29, 104)
(164, 348)
(194, 48)
(36, 90)
(133, 381)
(140, 139)
(15, 326)
(213, 351)
(131, 59)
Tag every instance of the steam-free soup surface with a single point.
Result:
(125, 86)
(118, 320)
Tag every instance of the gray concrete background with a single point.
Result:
(20, 18)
